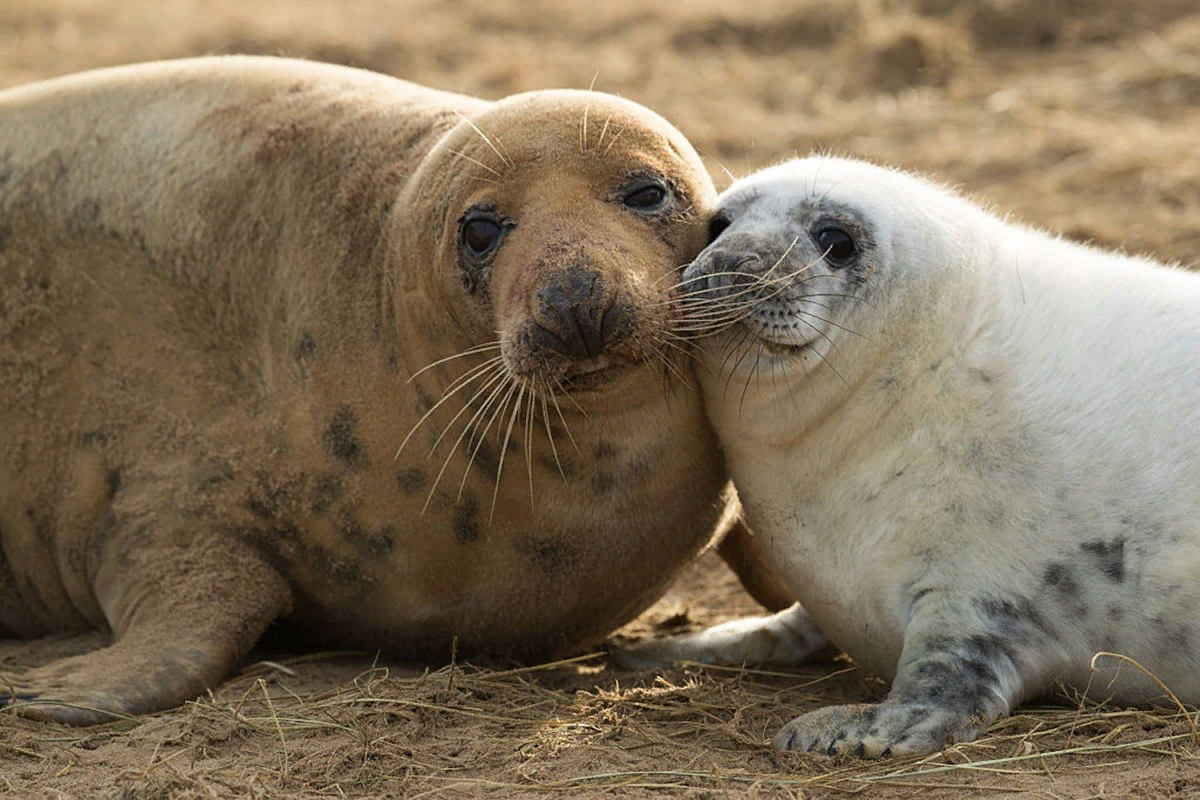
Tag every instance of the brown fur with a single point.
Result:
(221, 283)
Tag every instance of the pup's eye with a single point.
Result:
(836, 245)
(717, 226)
(645, 195)
(480, 235)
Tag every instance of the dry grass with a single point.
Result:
(346, 724)
(1079, 115)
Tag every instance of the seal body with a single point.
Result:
(970, 448)
(289, 341)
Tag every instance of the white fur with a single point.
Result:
(996, 416)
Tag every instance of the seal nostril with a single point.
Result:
(616, 322)
(576, 314)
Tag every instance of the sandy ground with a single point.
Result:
(1079, 115)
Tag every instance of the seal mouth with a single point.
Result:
(768, 342)
(783, 348)
(595, 373)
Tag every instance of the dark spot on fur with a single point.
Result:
(5, 236)
(603, 482)
(959, 675)
(1177, 641)
(484, 458)
(340, 441)
(551, 556)
(42, 528)
(113, 481)
(1110, 557)
(1116, 612)
(306, 346)
(385, 540)
(983, 376)
(639, 469)
(325, 491)
(604, 449)
(412, 480)
(1016, 619)
(425, 401)
(261, 507)
(466, 524)
(564, 466)
(93, 439)
(373, 545)
(1058, 576)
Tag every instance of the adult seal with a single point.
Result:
(970, 448)
(283, 341)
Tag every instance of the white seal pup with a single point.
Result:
(971, 449)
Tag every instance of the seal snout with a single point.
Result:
(577, 316)
(716, 270)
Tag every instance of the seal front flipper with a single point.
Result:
(964, 664)
(786, 638)
(183, 614)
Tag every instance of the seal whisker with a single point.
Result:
(529, 446)
(558, 408)
(821, 355)
(499, 382)
(745, 351)
(496, 385)
(497, 373)
(503, 158)
(512, 421)
(583, 130)
(477, 163)
(836, 325)
(613, 140)
(571, 397)
(668, 362)
(603, 130)
(752, 374)
(480, 348)
(478, 437)
(467, 378)
(549, 431)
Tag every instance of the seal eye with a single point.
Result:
(836, 245)
(717, 226)
(645, 195)
(480, 236)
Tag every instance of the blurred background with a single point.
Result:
(1082, 116)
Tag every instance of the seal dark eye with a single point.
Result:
(836, 245)
(480, 232)
(717, 226)
(480, 237)
(647, 194)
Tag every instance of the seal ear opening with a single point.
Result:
(717, 226)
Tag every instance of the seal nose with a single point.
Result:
(577, 317)
(719, 268)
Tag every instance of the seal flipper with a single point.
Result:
(742, 552)
(963, 666)
(786, 638)
(183, 615)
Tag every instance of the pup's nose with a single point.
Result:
(719, 268)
